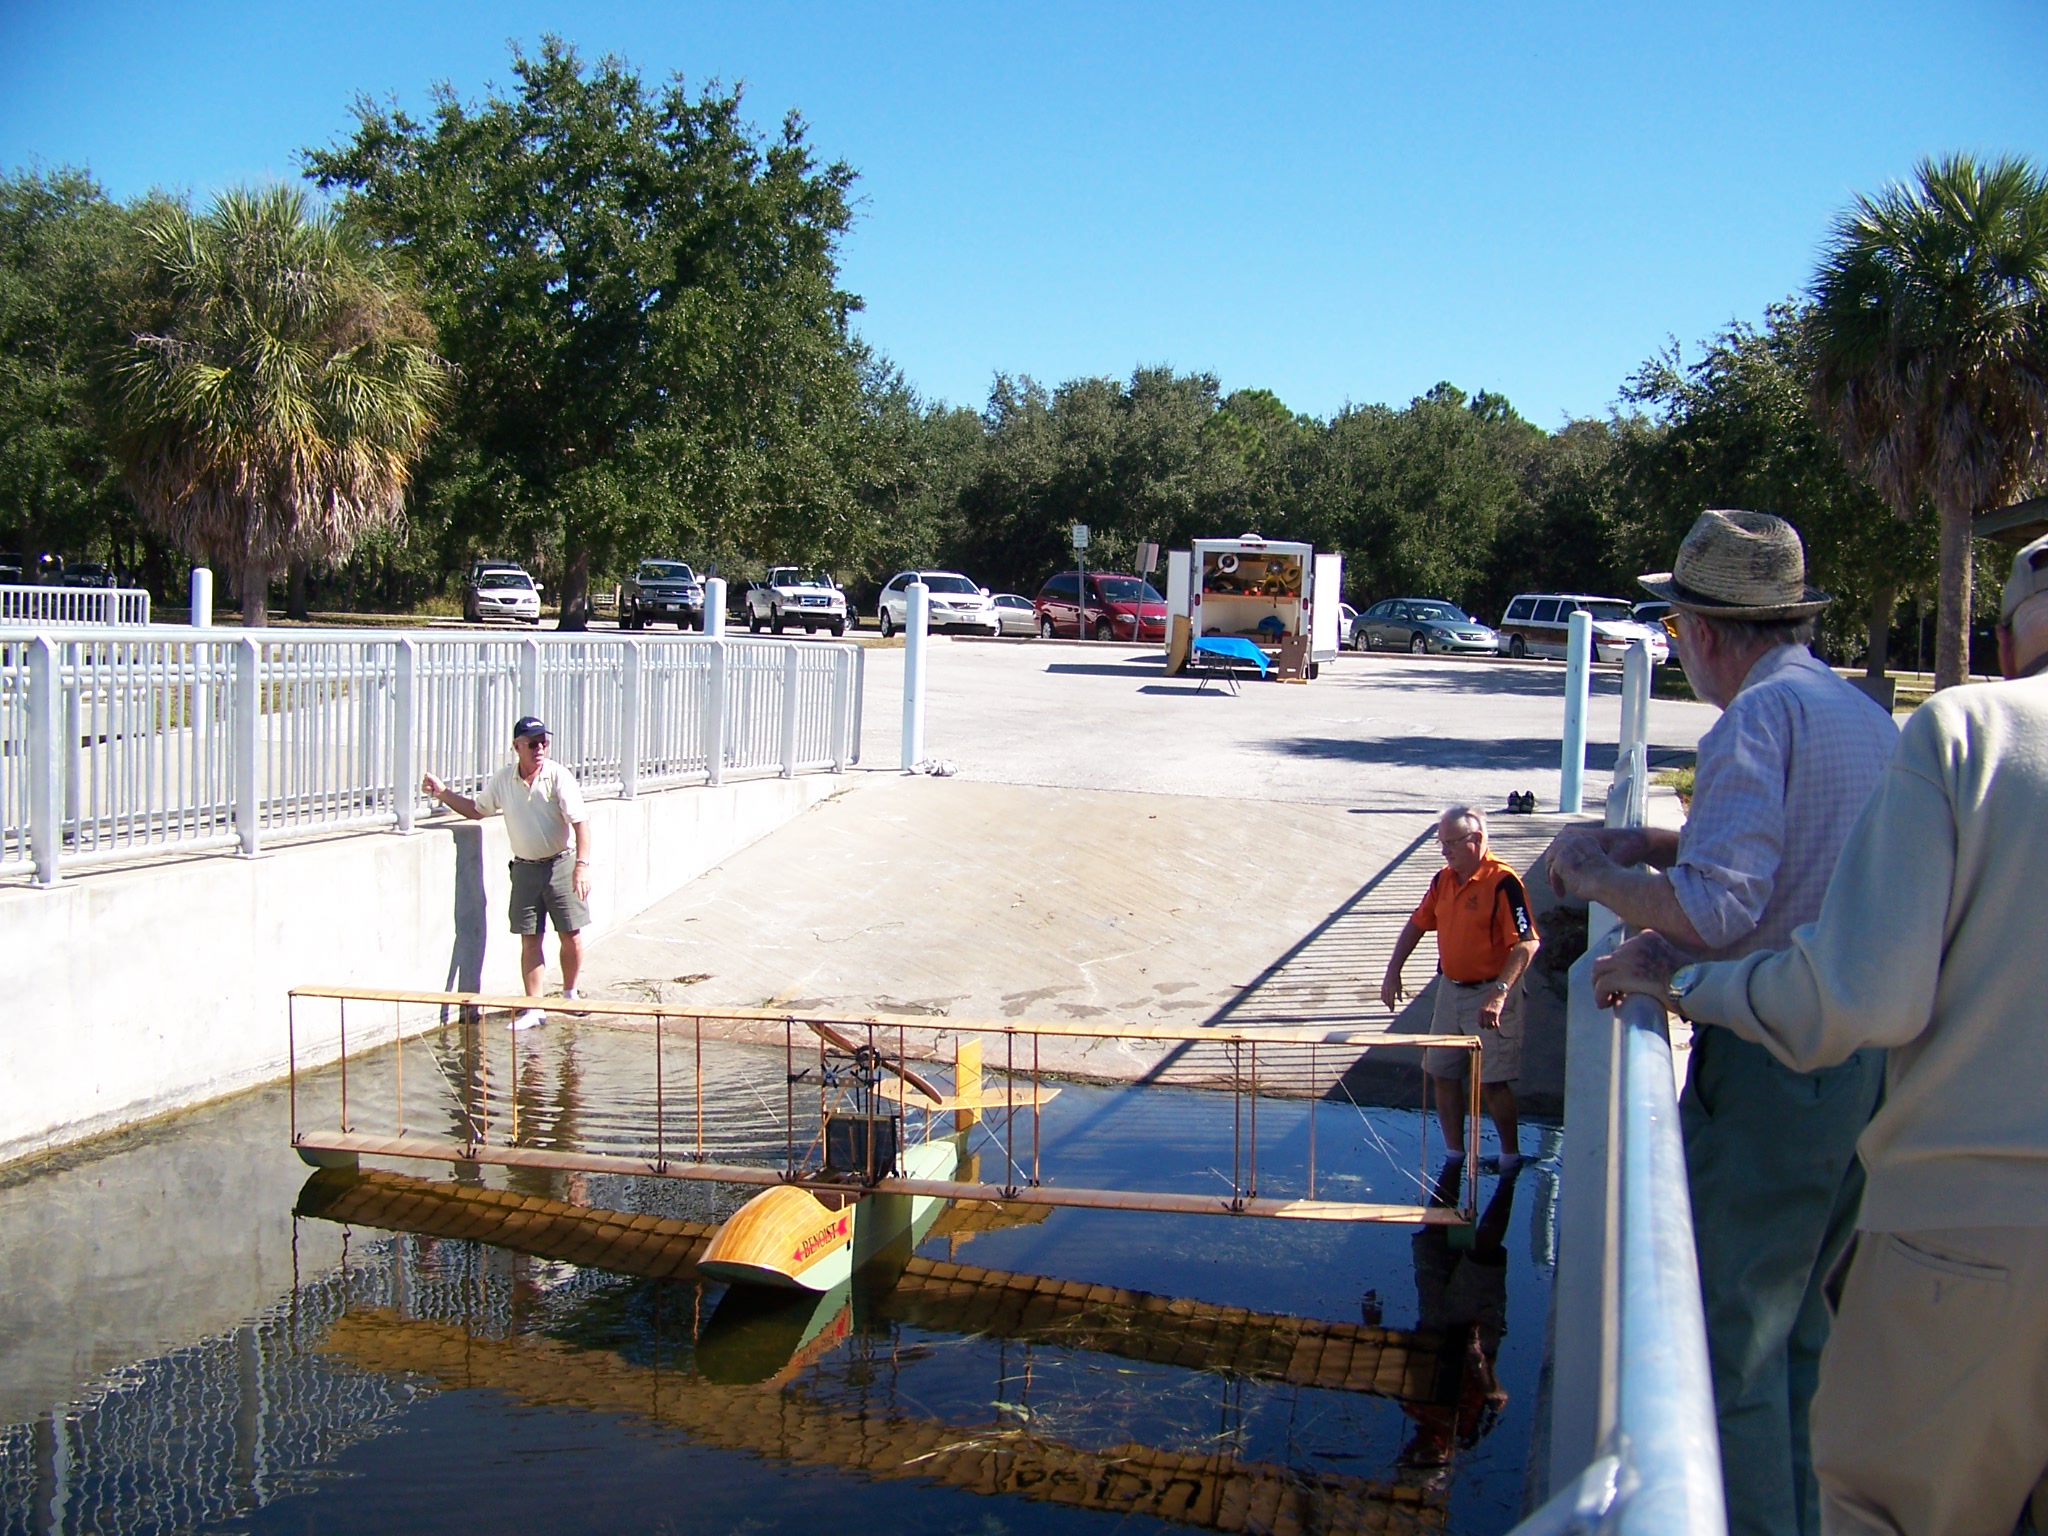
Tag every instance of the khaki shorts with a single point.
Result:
(1457, 1013)
(544, 891)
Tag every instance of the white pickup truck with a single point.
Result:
(794, 596)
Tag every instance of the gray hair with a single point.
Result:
(1470, 814)
(1741, 634)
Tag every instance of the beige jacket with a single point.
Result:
(1932, 940)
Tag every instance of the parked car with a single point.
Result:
(87, 573)
(792, 595)
(1660, 613)
(1118, 607)
(1537, 623)
(1015, 615)
(661, 589)
(498, 589)
(957, 604)
(1422, 625)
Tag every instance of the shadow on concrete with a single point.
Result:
(466, 955)
(1103, 669)
(1527, 682)
(1514, 753)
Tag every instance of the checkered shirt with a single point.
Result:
(1781, 778)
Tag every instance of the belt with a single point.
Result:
(551, 858)
(1469, 985)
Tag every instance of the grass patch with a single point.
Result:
(1679, 779)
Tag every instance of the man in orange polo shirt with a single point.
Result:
(1485, 940)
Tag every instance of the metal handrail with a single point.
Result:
(117, 742)
(1633, 1444)
(89, 606)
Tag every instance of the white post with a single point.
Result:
(202, 597)
(45, 789)
(714, 716)
(248, 719)
(842, 705)
(916, 623)
(791, 670)
(529, 677)
(1635, 696)
(714, 608)
(1578, 659)
(629, 722)
(405, 755)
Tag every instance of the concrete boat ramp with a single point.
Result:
(920, 897)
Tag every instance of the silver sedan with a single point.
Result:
(1016, 615)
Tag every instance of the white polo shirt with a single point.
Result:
(538, 816)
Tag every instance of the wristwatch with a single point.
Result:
(1684, 981)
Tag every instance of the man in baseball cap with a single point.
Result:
(543, 809)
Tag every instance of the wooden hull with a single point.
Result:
(790, 1239)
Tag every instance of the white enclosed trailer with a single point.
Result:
(1261, 590)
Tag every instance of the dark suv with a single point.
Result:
(1119, 608)
(662, 589)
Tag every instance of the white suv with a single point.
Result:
(956, 604)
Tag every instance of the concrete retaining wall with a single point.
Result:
(131, 993)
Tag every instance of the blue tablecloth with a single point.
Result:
(1232, 648)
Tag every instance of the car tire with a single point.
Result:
(1046, 631)
(1516, 649)
(1418, 646)
(1104, 630)
(888, 624)
(1358, 640)
(753, 622)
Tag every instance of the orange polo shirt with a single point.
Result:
(1476, 922)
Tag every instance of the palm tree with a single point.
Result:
(275, 405)
(1931, 368)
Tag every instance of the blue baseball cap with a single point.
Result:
(528, 725)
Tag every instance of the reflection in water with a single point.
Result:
(1461, 1284)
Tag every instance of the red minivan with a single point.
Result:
(1119, 608)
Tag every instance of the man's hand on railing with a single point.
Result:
(1643, 965)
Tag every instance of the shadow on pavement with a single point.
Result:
(1515, 753)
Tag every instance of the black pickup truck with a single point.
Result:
(662, 589)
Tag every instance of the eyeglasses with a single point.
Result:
(531, 741)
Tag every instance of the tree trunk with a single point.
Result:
(1884, 598)
(1952, 625)
(295, 592)
(575, 595)
(255, 595)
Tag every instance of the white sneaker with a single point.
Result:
(570, 995)
(529, 1018)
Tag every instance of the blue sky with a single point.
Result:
(1338, 203)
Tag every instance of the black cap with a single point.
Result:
(528, 725)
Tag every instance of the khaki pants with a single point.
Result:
(1932, 1413)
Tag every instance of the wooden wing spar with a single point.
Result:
(872, 1144)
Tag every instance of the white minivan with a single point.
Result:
(1537, 623)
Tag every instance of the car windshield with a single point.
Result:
(1606, 612)
(949, 584)
(505, 579)
(666, 570)
(1127, 589)
(1440, 613)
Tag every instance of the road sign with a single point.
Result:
(1080, 535)
(1148, 559)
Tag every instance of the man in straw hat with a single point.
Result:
(1932, 1413)
(1770, 1151)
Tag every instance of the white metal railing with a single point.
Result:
(1633, 1445)
(101, 607)
(121, 742)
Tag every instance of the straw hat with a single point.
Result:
(1740, 565)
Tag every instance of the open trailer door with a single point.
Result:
(1326, 616)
